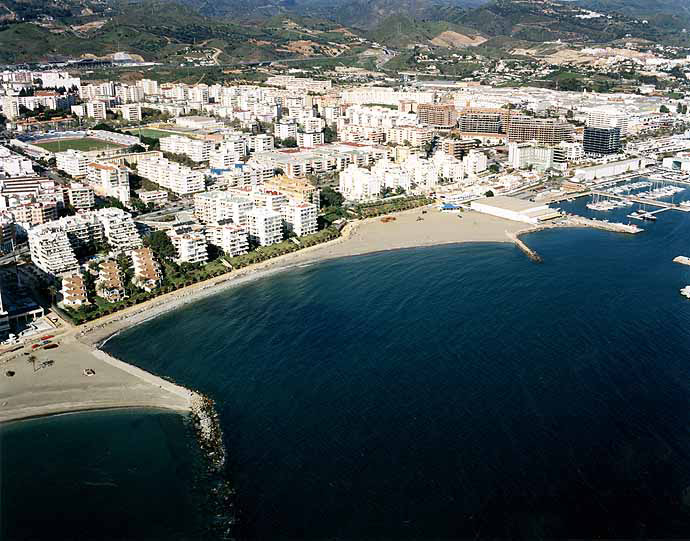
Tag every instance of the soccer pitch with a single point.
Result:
(150, 132)
(84, 144)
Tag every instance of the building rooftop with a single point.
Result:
(509, 203)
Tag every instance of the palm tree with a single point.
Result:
(32, 360)
(52, 291)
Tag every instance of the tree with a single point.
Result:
(489, 194)
(329, 134)
(161, 245)
(664, 109)
(289, 142)
(32, 360)
(494, 168)
(331, 198)
(52, 291)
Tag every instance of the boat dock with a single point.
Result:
(580, 221)
(642, 200)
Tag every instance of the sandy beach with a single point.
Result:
(62, 386)
(37, 390)
(359, 238)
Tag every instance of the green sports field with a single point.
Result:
(150, 132)
(84, 144)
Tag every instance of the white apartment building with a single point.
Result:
(51, 250)
(148, 86)
(96, 110)
(300, 218)
(73, 290)
(57, 79)
(524, 155)
(147, 273)
(265, 226)
(81, 196)
(313, 124)
(198, 122)
(268, 198)
(285, 130)
(14, 165)
(197, 150)
(73, 162)
(320, 160)
(250, 174)
(130, 111)
(119, 230)
(174, 176)
(475, 162)
(224, 157)
(260, 143)
(82, 229)
(128, 93)
(384, 96)
(110, 181)
(157, 197)
(358, 184)
(309, 140)
(608, 117)
(190, 243)
(300, 83)
(218, 207)
(93, 91)
(414, 136)
(230, 238)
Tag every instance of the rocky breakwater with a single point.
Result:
(207, 426)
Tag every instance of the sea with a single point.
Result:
(457, 391)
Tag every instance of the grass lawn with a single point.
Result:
(84, 144)
(150, 132)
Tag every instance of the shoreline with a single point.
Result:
(359, 238)
(124, 383)
(90, 410)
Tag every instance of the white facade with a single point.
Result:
(189, 242)
(51, 250)
(358, 184)
(309, 140)
(174, 176)
(598, 172)
(110, 181)
(215, 207)
(81, 196)
(230, 238)
(608, 117)
(265, 226)
(73, 162)
(301, 218)
(511, 208)
(119, 230)
(197, 150)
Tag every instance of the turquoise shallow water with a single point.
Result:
(453, 391)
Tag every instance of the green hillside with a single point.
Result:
(165, 32)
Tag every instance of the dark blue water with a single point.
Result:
(120, 474)
(454, 391)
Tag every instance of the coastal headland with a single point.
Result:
(61, 386)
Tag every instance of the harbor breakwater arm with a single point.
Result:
(534, 256)
(568, 221)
